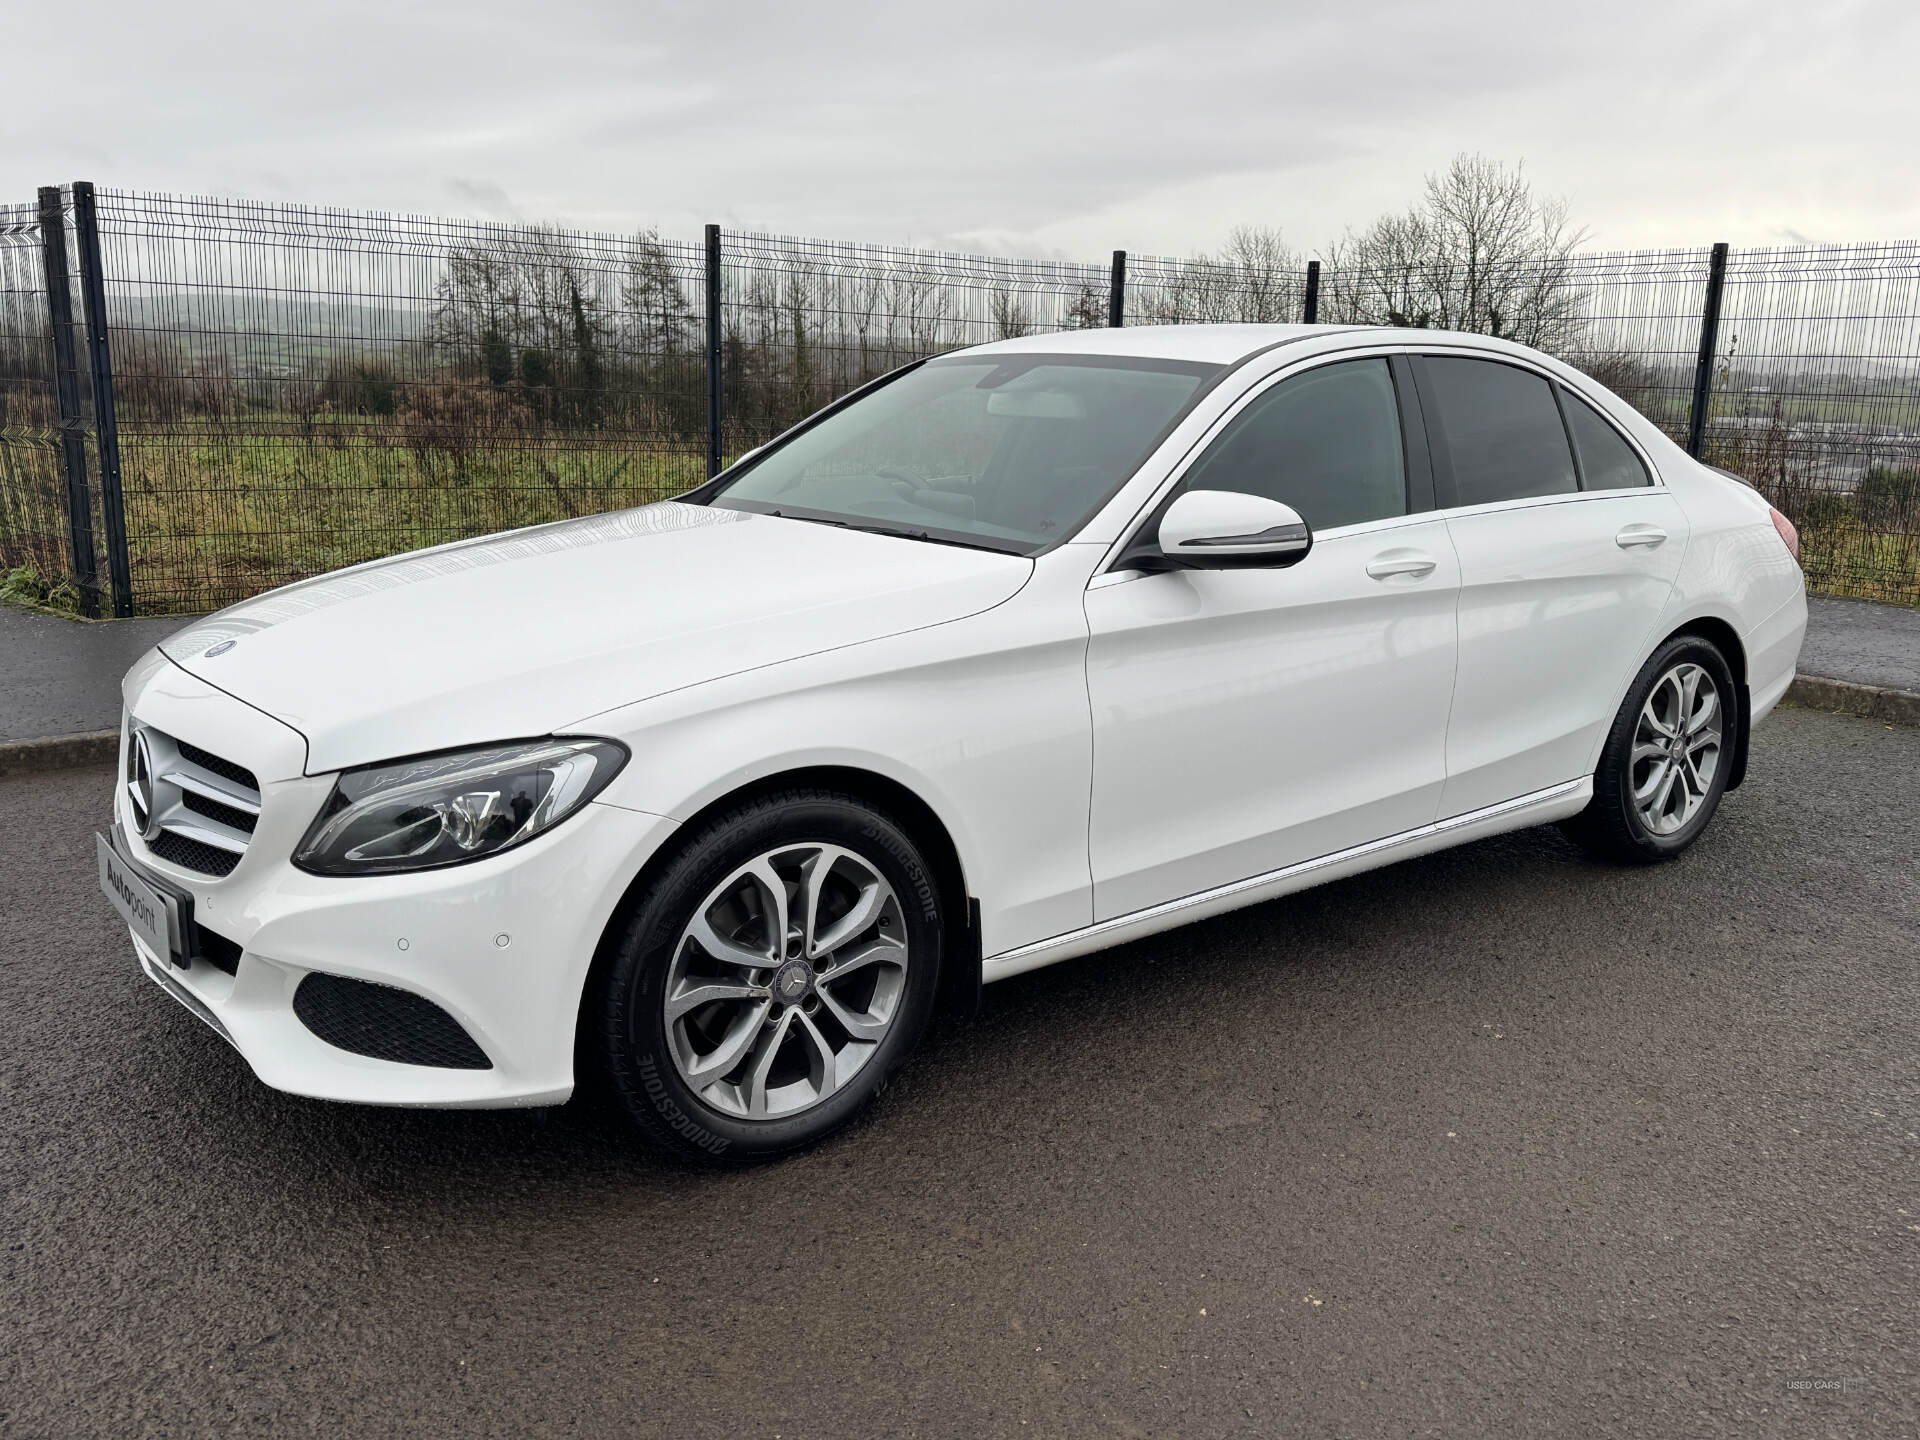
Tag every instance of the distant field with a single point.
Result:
(218, 513)
(1896, 410)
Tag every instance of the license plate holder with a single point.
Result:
(158, 914)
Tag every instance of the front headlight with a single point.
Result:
(450, 808)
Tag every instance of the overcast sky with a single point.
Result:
(1059, 127)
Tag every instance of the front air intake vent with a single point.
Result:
(385, 1023)
(215, 810)
(217, 950)
(195, 809)
(225, 769)
(188, 854)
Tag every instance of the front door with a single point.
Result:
(1247, 720)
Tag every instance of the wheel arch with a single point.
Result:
(1724, 638)
(960, 962)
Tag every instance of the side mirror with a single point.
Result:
(1225, 529)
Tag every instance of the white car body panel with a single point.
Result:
(1322, 694)
(576, 617)
(985, 721)
(1109, 754)
(1517, 814)
(1555, 619)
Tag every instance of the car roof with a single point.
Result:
(1216, 344)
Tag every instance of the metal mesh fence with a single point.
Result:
(1816, 399)
(1630, 320)
(300, 389)
(807, 320)
(1205, 291)
(33, 506)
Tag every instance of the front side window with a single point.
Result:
(1607, 461)
(1326, 442)
(1006, 452)
(1502, 430)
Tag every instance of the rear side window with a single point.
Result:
(1502, 431)
(1607, 461)
(1326, 442)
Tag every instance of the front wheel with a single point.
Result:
(1667, 757)
(773, 978)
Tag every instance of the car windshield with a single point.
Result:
(1004, 452)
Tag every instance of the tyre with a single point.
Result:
(1667, 757)
(771, 979)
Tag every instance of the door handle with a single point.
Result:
(1647, 535)
(1411, 563)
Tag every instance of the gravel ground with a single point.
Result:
(1496, 1142)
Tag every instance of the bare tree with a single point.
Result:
(1256, 277)
(655, 313)
(1086, 311)
(1480, 251)
(922, 301)
(1010, 314)
(518, 285)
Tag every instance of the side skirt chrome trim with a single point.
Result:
(1160, 917)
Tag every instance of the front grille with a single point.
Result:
(192, 855)
(225, 769)
(214, 810)
(385, 1023)
(197, 809)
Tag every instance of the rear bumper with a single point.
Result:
(1773, 654)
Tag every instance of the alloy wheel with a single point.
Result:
(1677, 747)
(786, 980)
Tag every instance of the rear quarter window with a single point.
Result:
(1607, 461)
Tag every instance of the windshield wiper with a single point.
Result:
(928, 536)
(898, 531)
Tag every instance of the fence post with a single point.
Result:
(714, 417)
(1117, 292)
(106, 430)
(66, 390)
(1310, 310)
(1709, 343)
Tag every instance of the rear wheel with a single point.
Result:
(772, 980)
(1667, 757)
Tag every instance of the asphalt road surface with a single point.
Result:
(63, 677)
(1861, 641)
(1497, 1142)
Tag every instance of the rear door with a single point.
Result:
(1568, 554)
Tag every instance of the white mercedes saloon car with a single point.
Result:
(1012, 655)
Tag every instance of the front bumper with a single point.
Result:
(502, 945)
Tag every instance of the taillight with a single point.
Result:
(1787, 533)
